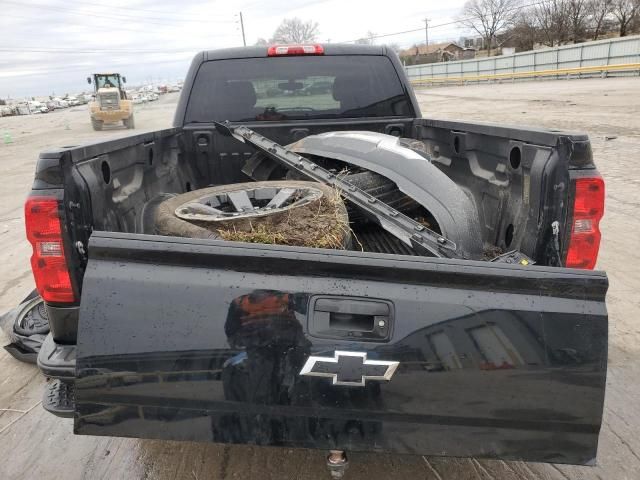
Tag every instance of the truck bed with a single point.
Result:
(124, 180)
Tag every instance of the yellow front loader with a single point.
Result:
(111, 104)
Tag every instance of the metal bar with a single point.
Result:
(240, 200)
(282, 196)
(540, 73)
(582, 54)
(244, 40)
(413, 233)
(582, 49)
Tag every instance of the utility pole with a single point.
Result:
(244, 40)
(426, 31)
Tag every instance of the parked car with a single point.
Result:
(22, 109)
(60, 103)
(36, 106)
(7, 111)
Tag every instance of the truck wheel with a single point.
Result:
(277, 212)
(97, 124)
(129, 122)
(260, 167)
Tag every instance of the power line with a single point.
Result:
(100, 51)
(111, 27)
(461, 20)
(101, 27)
(115, 16)
(143, 10)
(115, 65)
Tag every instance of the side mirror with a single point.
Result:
(89, 80)
(124, 79)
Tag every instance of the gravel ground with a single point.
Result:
(38, 445)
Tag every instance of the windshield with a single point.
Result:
(108, 81)
(289, 88)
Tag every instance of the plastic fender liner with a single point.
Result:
(415, 176)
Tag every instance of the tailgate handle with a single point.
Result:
(339, 317)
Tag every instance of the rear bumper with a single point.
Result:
(110, 115)
(57, 360)
(58, 363)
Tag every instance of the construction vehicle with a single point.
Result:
(111, 104)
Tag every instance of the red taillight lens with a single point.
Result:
(284, 50)
(588, 208)
(48, 263)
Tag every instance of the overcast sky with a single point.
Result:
(49, 46)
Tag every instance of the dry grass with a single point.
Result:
(258, 234)
(324, 224)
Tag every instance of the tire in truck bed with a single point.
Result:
(312, 215)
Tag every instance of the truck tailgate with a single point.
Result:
(211, 341)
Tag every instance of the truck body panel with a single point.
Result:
(207, 339)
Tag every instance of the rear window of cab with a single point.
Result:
(297, 88)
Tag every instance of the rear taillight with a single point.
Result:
(48, 262)
(588, 208)
(292, 50)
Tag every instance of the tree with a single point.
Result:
(625, 11)
(598, 11)
(577, 12)
(261, 42)
(489, 17)
(524, 33)
(294, 30)
(634, 26)
(552, 19)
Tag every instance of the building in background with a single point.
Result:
(435, 52)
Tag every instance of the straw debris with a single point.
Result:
(323, 223)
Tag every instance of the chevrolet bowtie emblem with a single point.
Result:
(349, 368)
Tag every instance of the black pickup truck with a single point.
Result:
(463, 318)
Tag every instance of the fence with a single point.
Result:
(616, 56)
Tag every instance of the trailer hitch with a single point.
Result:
(411, 232)
(337, 463)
